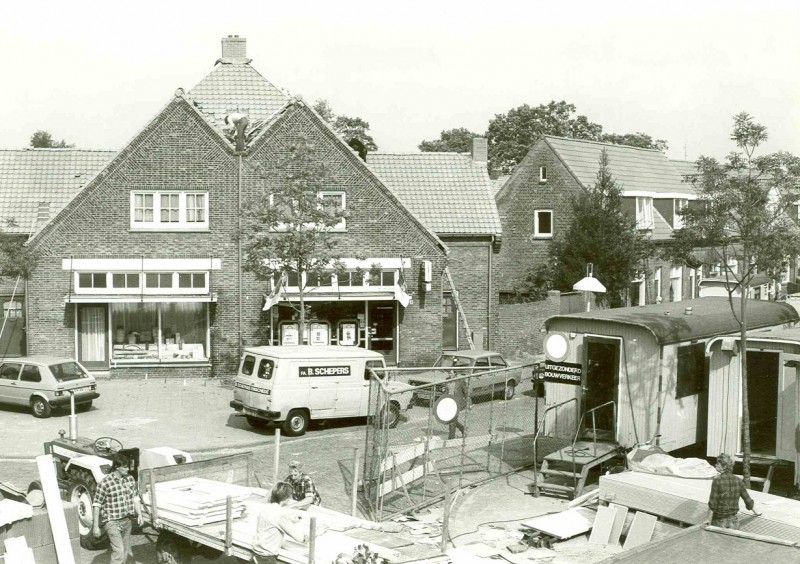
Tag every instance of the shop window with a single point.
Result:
(119, 280)
(169, 210)
(159, 332)
(350, 278)
(691, 370)
(92, 280)
(388, 277)
(543, 223)
(158, 279)
(292, 279)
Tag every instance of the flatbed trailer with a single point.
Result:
(179, 541)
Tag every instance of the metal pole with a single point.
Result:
(277, 460)
(446, 516)
(355, 483)
(312, 540)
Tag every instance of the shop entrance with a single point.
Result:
(449, 323)
(381, 331)
(600, 383)
(763, 371)
(93, 335)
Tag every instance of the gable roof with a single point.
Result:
(36, 183)
(635, 169)
(669, 323)
(235, 86)
(449, 192)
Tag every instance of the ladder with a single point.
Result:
(459, 308)
(565, 471)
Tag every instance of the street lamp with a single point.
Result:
(589, 285)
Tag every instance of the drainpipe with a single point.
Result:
(239, 246)
(489, 301)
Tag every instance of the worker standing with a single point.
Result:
(116, 503)
(726, 489)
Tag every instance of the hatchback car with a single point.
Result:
(44, 383)
(486, 368)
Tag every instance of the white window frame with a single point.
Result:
(694, 274)
(676, 281)
(142, 288)
(183, 224)
(644, 212)
(678, 204)
(536, 230)
(657, 283)
(542, 173)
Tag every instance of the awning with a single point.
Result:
(132, 299)
(347, 294)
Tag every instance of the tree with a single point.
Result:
(43, 140)
(600, 233)
(16, 258)
(348, 128)
(638, 139)
(744, 222)
(458, 140)
(287, 230)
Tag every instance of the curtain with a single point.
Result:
(93, 334)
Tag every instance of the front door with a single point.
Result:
(381, 330)
(788, 408)
(600, 385)
(763, 377)
(449, 323)
(93, 336)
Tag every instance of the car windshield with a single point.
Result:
(66, 371)
(449, 360)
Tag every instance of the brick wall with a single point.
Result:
(179, 150)
(519, 326)
(522, 195)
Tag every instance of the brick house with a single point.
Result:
(34, 184)
(535, 204)
(141, 272)
(451, 194)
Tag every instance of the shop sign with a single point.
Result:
(563, 373)
(319, 334)
(306, 371)
(348, 334)
(289, 334)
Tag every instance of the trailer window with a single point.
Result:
(248, 364)
(691, 370)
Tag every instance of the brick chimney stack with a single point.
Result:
(234, 50)
(480, 150)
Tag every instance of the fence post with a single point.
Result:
(312, 540)
(446, 516)
(355, 483)
(277, 458)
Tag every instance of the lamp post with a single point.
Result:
(588, 285)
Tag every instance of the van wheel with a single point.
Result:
(392, 418)
(296, 423)
(511, 386)
(40, 407)
(256, 423)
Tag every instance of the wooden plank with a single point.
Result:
(404, 478)
(563, 525)
(619, 523)
(17, 551)
(55, 511)
(466, 441)
(233, 469)
(641, 530)
(603, 523)
(402, 456)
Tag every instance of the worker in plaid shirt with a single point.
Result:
(726, 489)
(116, 502)
(304, 491)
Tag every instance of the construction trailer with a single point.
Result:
(773, 362)
(646, 365)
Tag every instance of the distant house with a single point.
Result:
(34, 185)
(142, 272)
(535, 204)
(452, 195)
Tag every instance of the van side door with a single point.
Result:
(350, 390)
(322, 380)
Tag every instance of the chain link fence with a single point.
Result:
(415, 449)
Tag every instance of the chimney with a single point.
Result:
(480, 150)
(234, 50)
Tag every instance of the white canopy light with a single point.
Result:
(589, 283)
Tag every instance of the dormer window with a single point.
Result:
(644, 212)
(542, 174)
(677, 208)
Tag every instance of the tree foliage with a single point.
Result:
(44, 140)
(16, 258)
(746, 224)
(638, 139)
(348, 128)
(458, 140)
(288, 227)
(600, 233)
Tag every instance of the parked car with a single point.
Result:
(44, 383)
(485, 367)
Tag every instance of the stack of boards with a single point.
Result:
(196, 501)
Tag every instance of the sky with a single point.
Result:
(94, 73)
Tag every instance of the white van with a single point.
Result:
(295, 384)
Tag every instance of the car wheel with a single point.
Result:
(511, 387)
(296, 423)
(40, 407)
(172, 549)
(256, 423)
